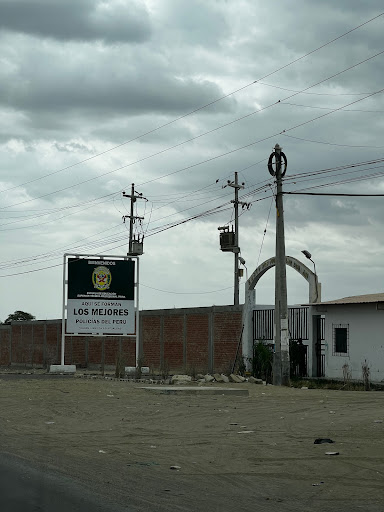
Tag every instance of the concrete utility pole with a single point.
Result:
(236, 249)
(132, 217)
(281, 366)
(229, 240)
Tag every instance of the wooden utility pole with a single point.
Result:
(281, 366)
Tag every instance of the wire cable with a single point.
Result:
(265, 230)
(333, 143)
(223, 154)
(184, 293)
(332, 194)
(260, 140)
(205, 105)
(316, 93)
(329, 108)
(331, 169)
(207, 213)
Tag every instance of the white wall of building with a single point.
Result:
(366, 340)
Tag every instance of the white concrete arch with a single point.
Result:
(314, 294)
(314, 286)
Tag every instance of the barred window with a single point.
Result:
(340, 339)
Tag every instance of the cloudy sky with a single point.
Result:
(176, 96)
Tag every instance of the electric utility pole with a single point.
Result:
(132, 218)
(277, 166)
(229, 240)
(236, 186)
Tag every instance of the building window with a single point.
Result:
(340, 339)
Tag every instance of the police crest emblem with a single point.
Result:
(101, 278)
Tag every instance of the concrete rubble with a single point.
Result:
(236, 378)
(220, 377)
(216, 377)
(181, 379)
(253, 380)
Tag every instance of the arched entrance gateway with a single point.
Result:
(249, 304)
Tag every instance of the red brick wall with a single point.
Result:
(5, 345)
(52, 346)
(75, 350)
(128, 351)
(25, 346)
(150, 335)
(200, 339)
(173, 341)
(38, 344)
(197, 342)
(18, 355)
(227, 329)
(95, 351)
(111, 349)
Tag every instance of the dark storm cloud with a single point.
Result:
(77, 19)
(132, 94)
(83, 77)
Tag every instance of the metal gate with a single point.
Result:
(263, 330)
(264, 320)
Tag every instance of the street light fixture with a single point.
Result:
(242, 262)
(308, 255)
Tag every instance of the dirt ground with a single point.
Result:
(234, 452)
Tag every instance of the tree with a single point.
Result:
(19, 316)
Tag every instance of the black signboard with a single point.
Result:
(104, 279)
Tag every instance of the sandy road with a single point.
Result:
(252, 453)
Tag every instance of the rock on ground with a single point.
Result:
(236, 378)
(253, 380)
(181, 379)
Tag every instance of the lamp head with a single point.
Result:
(307, 254)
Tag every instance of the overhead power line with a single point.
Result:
(294, 177)
(330, 108)
(165, 228)
(103, 241)
(358, 146)
(317, 93)
(184, 293)
(332, 194)
(45, 214)
(258, 141)
(220, 208)
(226, 153)
(265, 229)
(199, 108)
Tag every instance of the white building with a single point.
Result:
(353, 336)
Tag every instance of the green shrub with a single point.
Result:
(262, 361)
